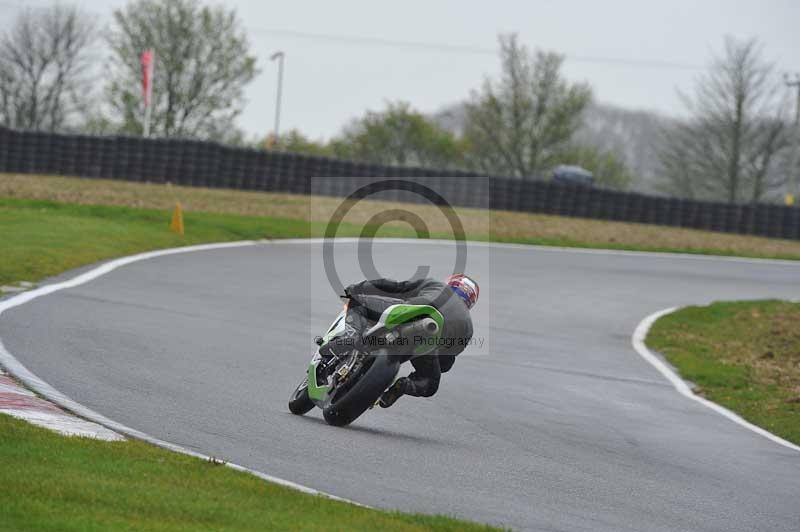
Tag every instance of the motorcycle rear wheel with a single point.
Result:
(364, 393)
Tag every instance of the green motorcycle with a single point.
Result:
(346, 385)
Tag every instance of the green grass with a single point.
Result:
(52, 482)
(44, 238)
(742, 355)
(499, 226)
(567, 242)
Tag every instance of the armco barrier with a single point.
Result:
(208, 164)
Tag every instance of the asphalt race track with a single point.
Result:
(556, 423)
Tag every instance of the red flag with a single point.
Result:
(147, 74)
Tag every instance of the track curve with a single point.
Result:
(555, 424)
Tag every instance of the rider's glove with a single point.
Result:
(350, 290)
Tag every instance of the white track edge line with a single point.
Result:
(557, 249)
(638, 341)
(19, 371)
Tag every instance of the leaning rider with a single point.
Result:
(368, 300)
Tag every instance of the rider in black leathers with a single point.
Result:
(370, 298)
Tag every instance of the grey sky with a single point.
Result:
(328, 81)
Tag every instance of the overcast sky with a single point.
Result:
(346, 56)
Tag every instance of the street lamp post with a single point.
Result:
(279, 55)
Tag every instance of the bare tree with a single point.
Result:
(202, 64)
(630, 135)
(677, 164)
(44, 63)
(517, 127)
(728, 149)
(607, 133)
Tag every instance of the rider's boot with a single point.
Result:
(394, 393)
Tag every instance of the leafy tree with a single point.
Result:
(731, 147)
(398, 135)
(606, 167)
(44, 62)
(519, 125)
(202, 64)
(295, 142)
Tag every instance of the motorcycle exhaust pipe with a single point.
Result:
(423, 327)
(431, 327)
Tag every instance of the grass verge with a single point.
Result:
(742, 355)
(41, 238)
(44, 238)
(52, 482)
(499, 226)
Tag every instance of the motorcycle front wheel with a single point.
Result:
(299, 402)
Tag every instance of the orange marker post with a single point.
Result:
(177, 220)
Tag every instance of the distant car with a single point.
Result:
(572, 175)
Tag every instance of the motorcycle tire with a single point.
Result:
(364, 393)
(299, 402)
